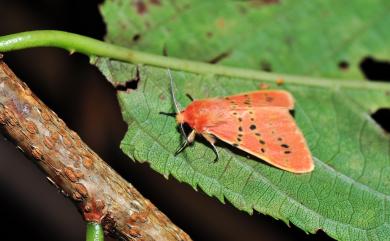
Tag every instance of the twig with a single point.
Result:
(99, 192)
(93, 47)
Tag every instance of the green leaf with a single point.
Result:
(348, 193)
(296, 37)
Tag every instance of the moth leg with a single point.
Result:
(190, 97)
(211, 139)
(186, 142)
(191, 137)
(173, 114)
(181, 147)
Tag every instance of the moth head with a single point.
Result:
(180, 118)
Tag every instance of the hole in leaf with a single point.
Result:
(136, 37)
(343, 65)
(131, 84)
(265, 65)
(382, 117)
(375, 69)
(219, 57)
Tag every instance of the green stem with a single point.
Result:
(94, 232)
(92, 47)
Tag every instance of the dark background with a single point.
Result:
(33, 209)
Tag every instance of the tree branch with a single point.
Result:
(99, 192)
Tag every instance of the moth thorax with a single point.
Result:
(180, 118)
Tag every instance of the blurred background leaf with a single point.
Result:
(326, 38)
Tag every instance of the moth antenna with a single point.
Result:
(190, 97)
(173, 93)
(176, 105)
(173, 114)
(182, 131)
(211, 139)
(181, 147)
(216, 152)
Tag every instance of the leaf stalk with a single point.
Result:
(93, 47)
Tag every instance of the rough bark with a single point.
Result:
(99, 192)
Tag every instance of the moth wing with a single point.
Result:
(269, 133)
(263, 98)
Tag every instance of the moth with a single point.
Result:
(258, 123)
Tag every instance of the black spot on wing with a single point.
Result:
(262, 142)
(233, 104)
(247, 100)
